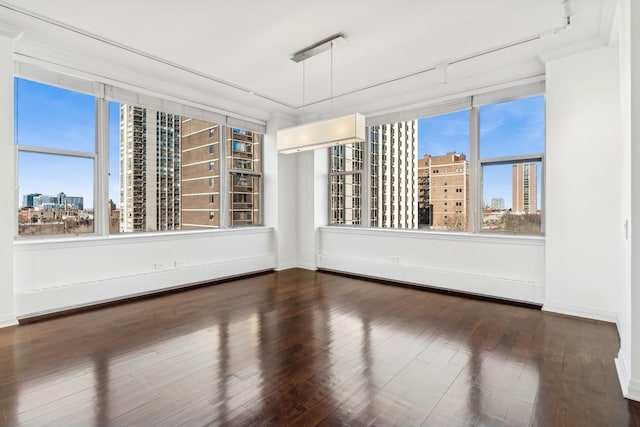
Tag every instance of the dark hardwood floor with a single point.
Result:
(308, 348)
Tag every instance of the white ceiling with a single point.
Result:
(217, 52)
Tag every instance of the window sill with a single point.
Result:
(126, 238)
(527, 240)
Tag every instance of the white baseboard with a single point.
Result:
(579, 311)
(516, 289)
(50, 300)
(630, 387)
(286, 266)
(8, 320)
(307, 266)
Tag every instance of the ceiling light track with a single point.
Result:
(305, 53)
(143, 54)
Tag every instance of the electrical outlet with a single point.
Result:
(394, 259)
(178, 263)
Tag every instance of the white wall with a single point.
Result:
(624, 323)
(628, 360)
(281, 193)
(584, 225)
(7, 178)
(67, 273)
(499, 266)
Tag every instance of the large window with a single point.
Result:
(55, 139)
(443, 172)
(470, 165)
(166, 163)
(511, 153)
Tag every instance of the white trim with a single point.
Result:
(57, 151)
(506, 288)
(27, 245)
(11, 32)
(580, 311)
(6, 321)
(630, 387)
(77, 295)
(438, 235)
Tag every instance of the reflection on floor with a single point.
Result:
(303, 348)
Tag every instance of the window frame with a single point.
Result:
(476, 163)
(103, 94)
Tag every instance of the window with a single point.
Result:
(511, 153)
(245, 176)
(345, 175)
(443, 141)
(499, 190)
(55, 138)
(162, 165)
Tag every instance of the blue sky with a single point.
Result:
(66, 119)
(508, 128)
(50, 117)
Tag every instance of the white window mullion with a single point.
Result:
(225, 176)
(101, 169)
(475, 172)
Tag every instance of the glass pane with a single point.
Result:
(345, 199)
(512, 128)
(200, 174)
(512, 198)
(56, 194)
(164, 171)
(47, 116)
(443, 172)
(243, 148)
(393, 175)
(244, 198)
(346, 158)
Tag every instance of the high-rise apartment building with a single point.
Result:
(346, 183)
(525, 188)
(200, 174)
(149, 170)
(244, 150)
(444, 191)
(393, 190)
(394, 175)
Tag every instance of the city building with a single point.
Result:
(444, 191)
(149, 170)
(60, 202)
(346, 184)
(28, 200)
(244, 157)
(525, 184)
(200, 189)
(394, 175)
(497, 204)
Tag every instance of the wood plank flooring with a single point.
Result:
(305, 348)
